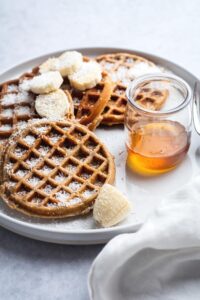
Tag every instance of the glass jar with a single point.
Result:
(157, 123)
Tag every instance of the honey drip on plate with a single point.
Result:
(157, 147)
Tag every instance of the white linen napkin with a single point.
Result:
(160, 261)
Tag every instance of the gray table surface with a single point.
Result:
(35, 270)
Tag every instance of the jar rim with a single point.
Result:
(145, 78)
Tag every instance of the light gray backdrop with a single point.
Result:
(28, 28)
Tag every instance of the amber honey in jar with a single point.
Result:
(158, 123)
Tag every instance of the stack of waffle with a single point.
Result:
(55, 168)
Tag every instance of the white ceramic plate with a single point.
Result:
(145, 193)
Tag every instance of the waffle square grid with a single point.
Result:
(56, 168)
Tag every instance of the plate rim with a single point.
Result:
(107, 49)
(83, 232)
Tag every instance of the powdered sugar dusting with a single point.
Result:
(24, 97)
(7, 113)
(19, 151)
(12, 88)
(88, 193)
(75, 200)
(34, 180)
(22, 124)
(9, 99)
(54, 138)
(23, 110)
(71, 168)
(43, 129)
(32, 162)
(119, 74)
(52, 204)
(57, 159)
(66, 128)
(60, 177)
(43, 150)
(29, 139)
(74, 185)
(36, 200)
(126, 74)
(10, 165)
(129, 60)
(46, 169)
(72, 201)
(5, 127)
(108, 65)
(142, 68)
(21, 192)
(22, 173)
(48, 189)
(62, 195)
(25, 85)
(11, 183)
(13, 98)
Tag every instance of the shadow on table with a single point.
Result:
(39, 270)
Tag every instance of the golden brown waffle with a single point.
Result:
(89, 104)
(18, 106)
(55, 169)
(118, 65)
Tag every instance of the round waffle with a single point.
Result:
(118, 66)
(90, 104)
(55, 169)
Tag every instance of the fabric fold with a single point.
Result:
(160, 261)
